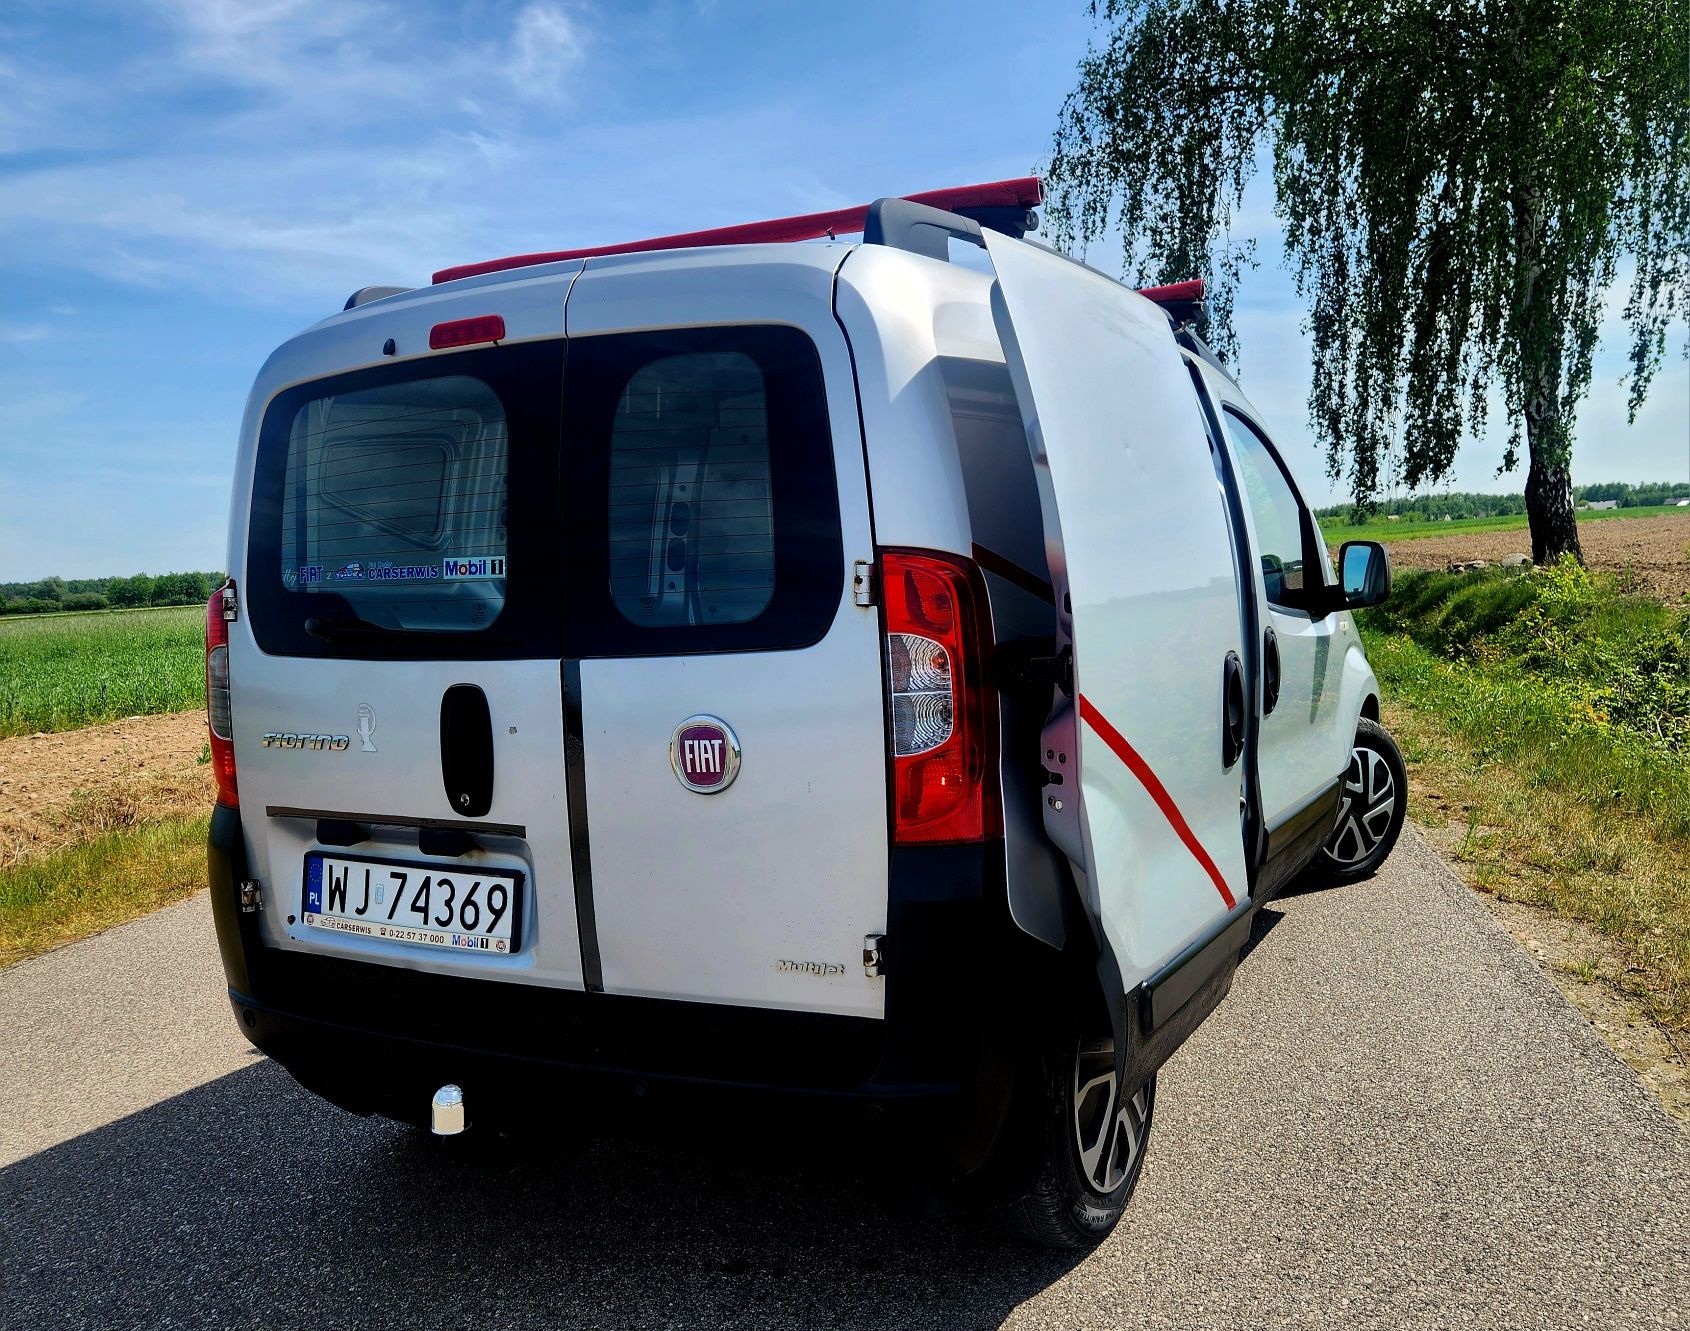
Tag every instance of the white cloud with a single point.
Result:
(351, 62)
(545, 46)
(270, 147)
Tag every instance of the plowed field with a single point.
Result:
(1652, 553)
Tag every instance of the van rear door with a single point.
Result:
(725, 690)
(395, 667)
(1148, 776)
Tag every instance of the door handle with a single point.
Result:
(1232, 706)
(466, 750)
(1270, 670)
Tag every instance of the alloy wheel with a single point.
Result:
(1108, 1131)
(1365, 808)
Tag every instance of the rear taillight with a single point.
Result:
(943, 713)
(219, 718)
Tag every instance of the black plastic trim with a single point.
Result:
(1317, 811)
(1171, 988)
(1012, 221)
(1297, 838)
(1271, 668)
(580, 845)
(466, 749)
(967, 998)
(918, 228)
(396, 820)
(226, 869)
(364, 295)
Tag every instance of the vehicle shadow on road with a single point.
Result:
(1261, 925)
(249, 1202)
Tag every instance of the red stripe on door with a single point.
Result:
(1158, 792)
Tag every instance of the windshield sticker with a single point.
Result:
(386, 571)
(480, 567)
(306, 575)
(353, 572)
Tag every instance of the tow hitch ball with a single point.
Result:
(446, 1112)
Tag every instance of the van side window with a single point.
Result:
(1278, 515)
(691, 528)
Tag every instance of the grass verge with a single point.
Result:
(1546, 720)
(79, 890)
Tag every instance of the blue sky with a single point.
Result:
(185, 183)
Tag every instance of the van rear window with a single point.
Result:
(691, 511)
(394, 502)
(700, 506)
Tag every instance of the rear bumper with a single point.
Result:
(939, 1072)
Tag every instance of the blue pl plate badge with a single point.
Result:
(314, 886)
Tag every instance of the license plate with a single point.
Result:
(440, 905)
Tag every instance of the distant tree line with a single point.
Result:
(46, 595)
(1464, 504)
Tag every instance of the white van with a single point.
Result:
(848, 675)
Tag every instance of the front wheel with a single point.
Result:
(1370, 809)
(1093, 1148)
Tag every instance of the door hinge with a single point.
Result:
(231, 602)
(252, 896)
(1040, 671)
(872, 945)
(862, 582)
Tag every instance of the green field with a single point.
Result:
(58, 672)
(1336, 531)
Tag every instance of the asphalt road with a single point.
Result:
(1393, 1121)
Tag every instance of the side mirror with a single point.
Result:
(1364, 574)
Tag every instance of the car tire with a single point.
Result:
(1090, 1146)
(1372, 804)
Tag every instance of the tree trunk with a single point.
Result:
(1549, 481)
(1549, 505)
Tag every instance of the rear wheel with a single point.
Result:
(1370, 809)
(1092, 1150)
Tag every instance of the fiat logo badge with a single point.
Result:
(704, 751)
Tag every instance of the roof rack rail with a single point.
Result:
(1002, 205)
(1182, 300)
(364, 295)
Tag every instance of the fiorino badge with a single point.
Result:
(704, 751)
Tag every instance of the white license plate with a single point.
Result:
(440, 905)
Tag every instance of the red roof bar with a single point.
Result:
(1175, 293)
(1027, 192)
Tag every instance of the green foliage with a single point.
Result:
(1558, 660)
(1458, 184)
(1649, 495)
(64, 671)
(52, 594)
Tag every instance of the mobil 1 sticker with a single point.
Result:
(478, 567)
